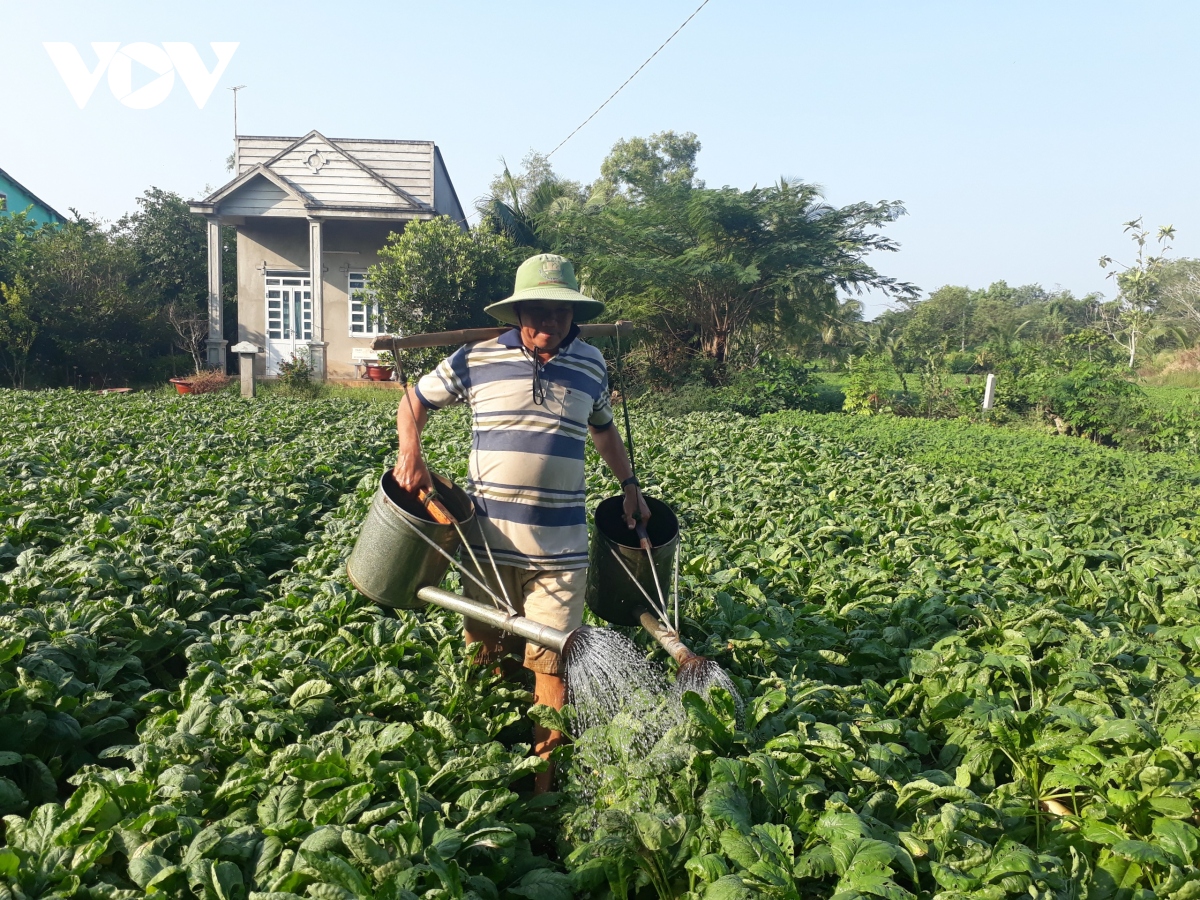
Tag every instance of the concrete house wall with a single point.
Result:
(296, 200)
(281, 244)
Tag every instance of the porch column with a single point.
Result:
(317, 344)
(216, 318)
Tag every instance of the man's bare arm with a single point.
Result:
(410, 470)
(612, 451)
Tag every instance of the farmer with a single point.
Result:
(535, 393)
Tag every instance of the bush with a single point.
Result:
(209, 381)
(295, 375)
(775, 384)
(960, 363)
(871, 387)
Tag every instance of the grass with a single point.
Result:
(1185, 380)
(1167, 395)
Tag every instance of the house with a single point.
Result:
(15, 198)
(311, 214)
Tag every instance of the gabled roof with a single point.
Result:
(316, 175)
(260, 171)
(32, 196)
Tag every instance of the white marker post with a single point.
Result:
(989, 394)
(246, 352)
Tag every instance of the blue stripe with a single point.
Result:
(515, 441)
(528, 514)
(525, 487)
(607, 425)
(424, 401)
(460, 366)
(525, 557)
(485, 372)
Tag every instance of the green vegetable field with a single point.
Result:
(970, 662)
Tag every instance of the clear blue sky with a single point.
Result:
(1020, 135)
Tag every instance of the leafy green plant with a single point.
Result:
(968, 659)
(296, 374)
(870, 387)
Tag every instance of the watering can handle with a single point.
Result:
(644, 536)
(436, 507)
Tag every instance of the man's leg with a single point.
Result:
(554, 599)
(495, 642)
(550, 690)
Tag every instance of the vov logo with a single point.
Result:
(118, 60)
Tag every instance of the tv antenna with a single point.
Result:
(235, 90)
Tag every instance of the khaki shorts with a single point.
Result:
(549, 598)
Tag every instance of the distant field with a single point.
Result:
(1172, 394)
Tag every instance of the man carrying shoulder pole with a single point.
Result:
(536, 392)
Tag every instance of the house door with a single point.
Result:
(289, 317)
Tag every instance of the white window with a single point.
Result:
(366, 318)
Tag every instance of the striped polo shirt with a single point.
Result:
(526, 467)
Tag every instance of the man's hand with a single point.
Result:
(410, 470)
(636, 509)
(612, 451)
(411, 473)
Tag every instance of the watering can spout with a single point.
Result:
(542, 635)
(667, 637)
(552, 638)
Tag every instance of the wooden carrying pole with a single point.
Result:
(623, 329)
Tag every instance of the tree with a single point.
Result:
(434, 276)
(838, 329)
(1180, 283)
(191, 331)
(170, 248)
(18, 321)
(90, 320)
(1131, 316)
(698, 266)
(941, 322)
(521, 206)
(18, 330)
(638, 166)
(885, 343)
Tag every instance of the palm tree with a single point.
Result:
(838, 328)
(887, 342)
(527, 221)
(1005, 338)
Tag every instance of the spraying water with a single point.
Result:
(701, 675)
(608, 675)
(625, 712)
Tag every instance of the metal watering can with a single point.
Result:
(622, 575)
(402, 554)
(392, 557)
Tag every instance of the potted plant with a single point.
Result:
(206, 381)
(383, 367)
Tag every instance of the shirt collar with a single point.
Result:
(512, 338)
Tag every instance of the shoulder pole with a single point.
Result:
(624, 400)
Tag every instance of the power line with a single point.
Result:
(629, 79)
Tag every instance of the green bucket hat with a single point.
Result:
(545, 277)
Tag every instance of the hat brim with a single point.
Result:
(585, 308)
